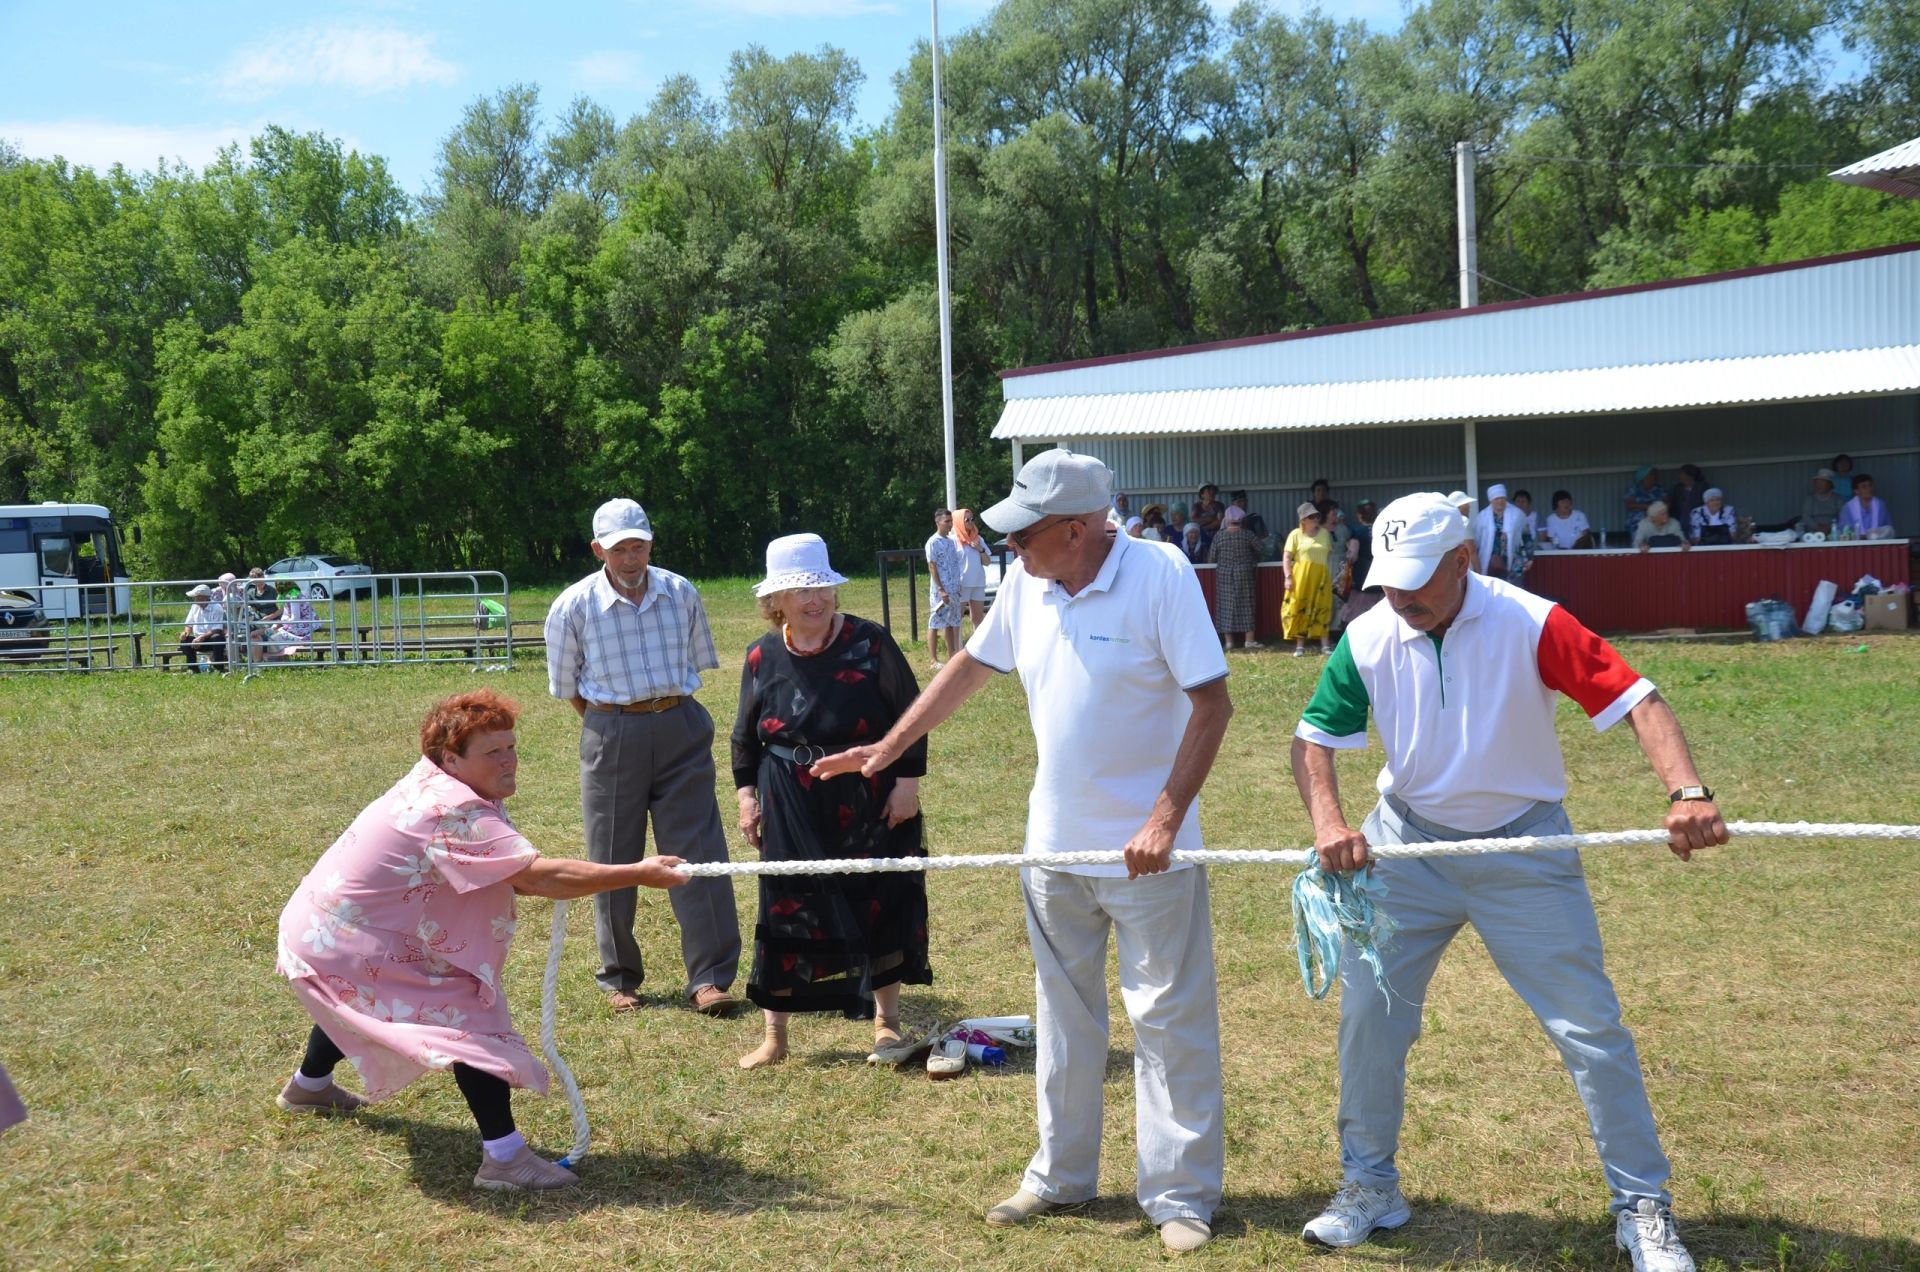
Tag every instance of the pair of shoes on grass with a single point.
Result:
(1180, 1235)
(526, 1170)
(1646, 1231)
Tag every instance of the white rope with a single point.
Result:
(549, 993)
(1287, 856)
(1110, 857)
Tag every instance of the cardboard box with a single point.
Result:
(1886, 611)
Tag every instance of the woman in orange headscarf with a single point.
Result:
(974, 555)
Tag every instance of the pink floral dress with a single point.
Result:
(395, 940)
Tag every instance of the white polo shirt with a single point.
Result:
(1467, 721)
(1106, 673)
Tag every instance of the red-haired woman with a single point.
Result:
(395, 940)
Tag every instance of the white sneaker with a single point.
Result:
(1353, 1215)
(1648, 1234)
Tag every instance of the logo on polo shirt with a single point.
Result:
(1110, 640)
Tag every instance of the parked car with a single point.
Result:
(23, 624)
(339, 576)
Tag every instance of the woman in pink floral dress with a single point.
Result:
(395, 940)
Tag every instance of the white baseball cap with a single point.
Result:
(1411, 535)
(796, 561)
(1054, 483)
(618, 520)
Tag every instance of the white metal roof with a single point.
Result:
(1896, 171)
(1788, 377)
(1839, 327)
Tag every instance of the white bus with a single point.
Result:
(48, 548)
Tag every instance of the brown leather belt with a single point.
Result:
(647, 706)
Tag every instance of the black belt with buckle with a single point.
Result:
(807, 752)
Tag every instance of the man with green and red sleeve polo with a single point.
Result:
(1460, 674)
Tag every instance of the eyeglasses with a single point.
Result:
(1023, 539)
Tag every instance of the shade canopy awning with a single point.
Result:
(1895, 171)
(1792, 377)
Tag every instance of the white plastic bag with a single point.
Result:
(1816, 620)
(1846, 617)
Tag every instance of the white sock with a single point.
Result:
(506, 1148)
(306, 1083)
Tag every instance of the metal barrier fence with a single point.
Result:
(323, 620)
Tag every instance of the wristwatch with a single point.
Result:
(1690, 793)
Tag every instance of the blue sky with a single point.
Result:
(101, 81)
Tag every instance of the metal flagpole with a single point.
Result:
(946, 300)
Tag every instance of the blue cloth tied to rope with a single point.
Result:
(1329, 908)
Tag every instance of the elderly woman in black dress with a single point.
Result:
(818, 683)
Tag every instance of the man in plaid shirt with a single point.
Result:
(626, 646)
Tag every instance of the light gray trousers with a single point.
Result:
(1164, 931)
(636, 766)
(1534, 914)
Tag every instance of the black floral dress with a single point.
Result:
(826, 942)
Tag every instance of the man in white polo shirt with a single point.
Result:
(1111, 638)
(1460, 672)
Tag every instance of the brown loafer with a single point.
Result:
(624, 1000)
(711, 1000)
(294, 1098)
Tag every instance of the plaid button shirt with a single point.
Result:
(606, 649)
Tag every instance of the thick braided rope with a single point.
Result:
(549, 992)
(1287, 856)
(1316, 985)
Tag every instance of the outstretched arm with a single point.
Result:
(566, 878)
(956, 682)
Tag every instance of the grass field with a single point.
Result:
(158, 825)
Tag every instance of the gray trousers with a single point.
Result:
(633, 766)
(1536, 919)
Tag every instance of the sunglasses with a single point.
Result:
(1022, 539)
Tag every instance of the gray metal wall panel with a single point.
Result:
(1861, 304)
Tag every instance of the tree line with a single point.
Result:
(725, 304)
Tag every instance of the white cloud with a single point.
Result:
(610, 68)
(99, 144)
(804, 8)
(366, 60)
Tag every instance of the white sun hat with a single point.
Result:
(796, 561)
(1410, 536)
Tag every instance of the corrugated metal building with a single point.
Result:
(1759, 376)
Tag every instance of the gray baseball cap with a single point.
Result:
(1054, 483)
(620, 519)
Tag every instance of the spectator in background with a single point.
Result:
(1236, 554)
(1360, 597)
(1176, 531)
(1133, 527)
(1713, 521)
(1658, 529)
(1642, 491)
(1465, 502)
(1843, 476)
(943, 587)
(1864, 515)
(1335, 522)
(1192, 542)
(1319, 491)
(974, 555)
(1686, 497)
(1238, 499)
(1207, 510)
(1821, 509)
(1307, 611)
(1566, 526)
(1523, 500)
(297, 622)
(205, 630)
(1498, 533)
(1122, 509)
(1262, 538)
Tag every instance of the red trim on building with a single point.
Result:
(1438, 315)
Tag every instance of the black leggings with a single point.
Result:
(490, 1098)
